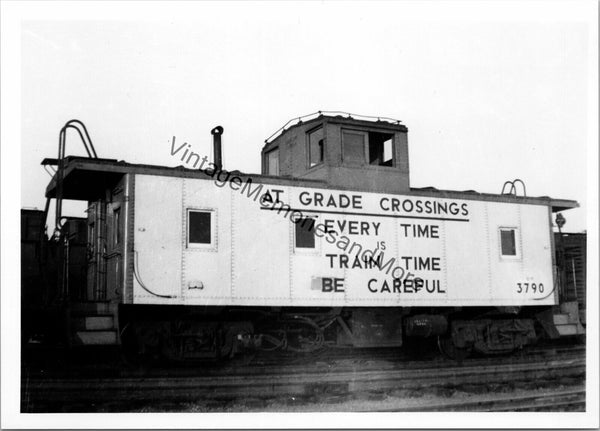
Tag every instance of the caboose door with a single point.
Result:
(105, 250)
(114, 250)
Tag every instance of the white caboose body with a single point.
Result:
(201, 242)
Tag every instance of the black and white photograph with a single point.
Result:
(319, 214)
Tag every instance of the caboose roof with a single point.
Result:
(336, 117)
(88, 179)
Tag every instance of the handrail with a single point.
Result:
(91, 151)
(298, 120)
(513, 187)
(62, 143)
(522, 184)
(510, 192)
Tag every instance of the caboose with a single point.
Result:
(329, 245)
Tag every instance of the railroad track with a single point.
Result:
(557, 400)
(352, 360)
(320, 379)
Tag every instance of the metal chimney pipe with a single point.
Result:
(217, 132)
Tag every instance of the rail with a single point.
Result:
(298, 120)
(561, 400)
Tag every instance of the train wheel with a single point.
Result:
(449, 349)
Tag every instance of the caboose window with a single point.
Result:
(273, 162)
(305, 233)
(508, 242)
(374, 148)
(315, 147)
(381, 149)
(354, 146)
(199, 227)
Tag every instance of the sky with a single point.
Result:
(485, 99)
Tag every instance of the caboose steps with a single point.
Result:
(562, 320)
(95, 337)
(567, 321)
(94, 323)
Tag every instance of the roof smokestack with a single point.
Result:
(217, 132)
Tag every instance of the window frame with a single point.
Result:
(365, 155)
(393, 148)
(305, 250)
(517, 239)
(267, 153)
(308, 147)
(212, 246)
(366, 148)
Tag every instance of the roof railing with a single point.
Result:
(301, 119)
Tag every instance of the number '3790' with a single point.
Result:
(533, 287)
